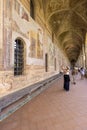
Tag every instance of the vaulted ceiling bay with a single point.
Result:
(68, 21)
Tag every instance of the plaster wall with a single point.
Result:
(37, 41)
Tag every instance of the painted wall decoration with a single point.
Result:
(17, 6)
(7, 47)
(39, 44)
(20, 10)
(32, 48)
(8, 8)
(20, 19)
(24, 14)
(7, 41)
(36, 44)
(0, 57)
(51, 50)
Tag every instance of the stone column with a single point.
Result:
(1, 33)
(6, 71)
(7, 34)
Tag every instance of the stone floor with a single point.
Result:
(54, 109)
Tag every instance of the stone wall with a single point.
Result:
(1, 33)
(37, 40)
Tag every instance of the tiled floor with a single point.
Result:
(54, 109)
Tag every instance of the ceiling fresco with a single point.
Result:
(68, 21)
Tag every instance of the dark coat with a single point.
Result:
(66, 82)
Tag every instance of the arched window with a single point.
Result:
(32, 9)
(18, 57)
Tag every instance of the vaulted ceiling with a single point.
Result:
(68, 21)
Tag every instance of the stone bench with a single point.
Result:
(28, 91)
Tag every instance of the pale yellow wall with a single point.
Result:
(26, 4)
(18, 26)
(1, 33)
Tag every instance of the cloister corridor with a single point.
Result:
(53, 109)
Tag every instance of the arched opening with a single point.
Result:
(18, 57)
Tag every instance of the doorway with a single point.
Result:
(46, 62)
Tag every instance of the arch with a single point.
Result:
(19, 56)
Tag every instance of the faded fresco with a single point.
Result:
(8, 8)
(20, 10)
(24, 14)
(40, 44)
(32, 48)
(51, 51)
(20, 19)
(36, 44)
(7, 32)
(34, 34)
(7, 46)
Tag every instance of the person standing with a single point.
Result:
(66, 79)
(82, 72)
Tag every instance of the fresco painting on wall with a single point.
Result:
(0, 56)
(7, 39)
(17, 6)
(51, 53)
(8, 8)
(39, 44)
(24, 15)
(20, 10)
(32, 48)
(7, 47)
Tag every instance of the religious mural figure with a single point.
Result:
(32, 48)
(51, 53)
(39, 44)
(8, 8)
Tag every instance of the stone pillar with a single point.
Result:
(1, 33)
(7, 34)
(6, 71)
